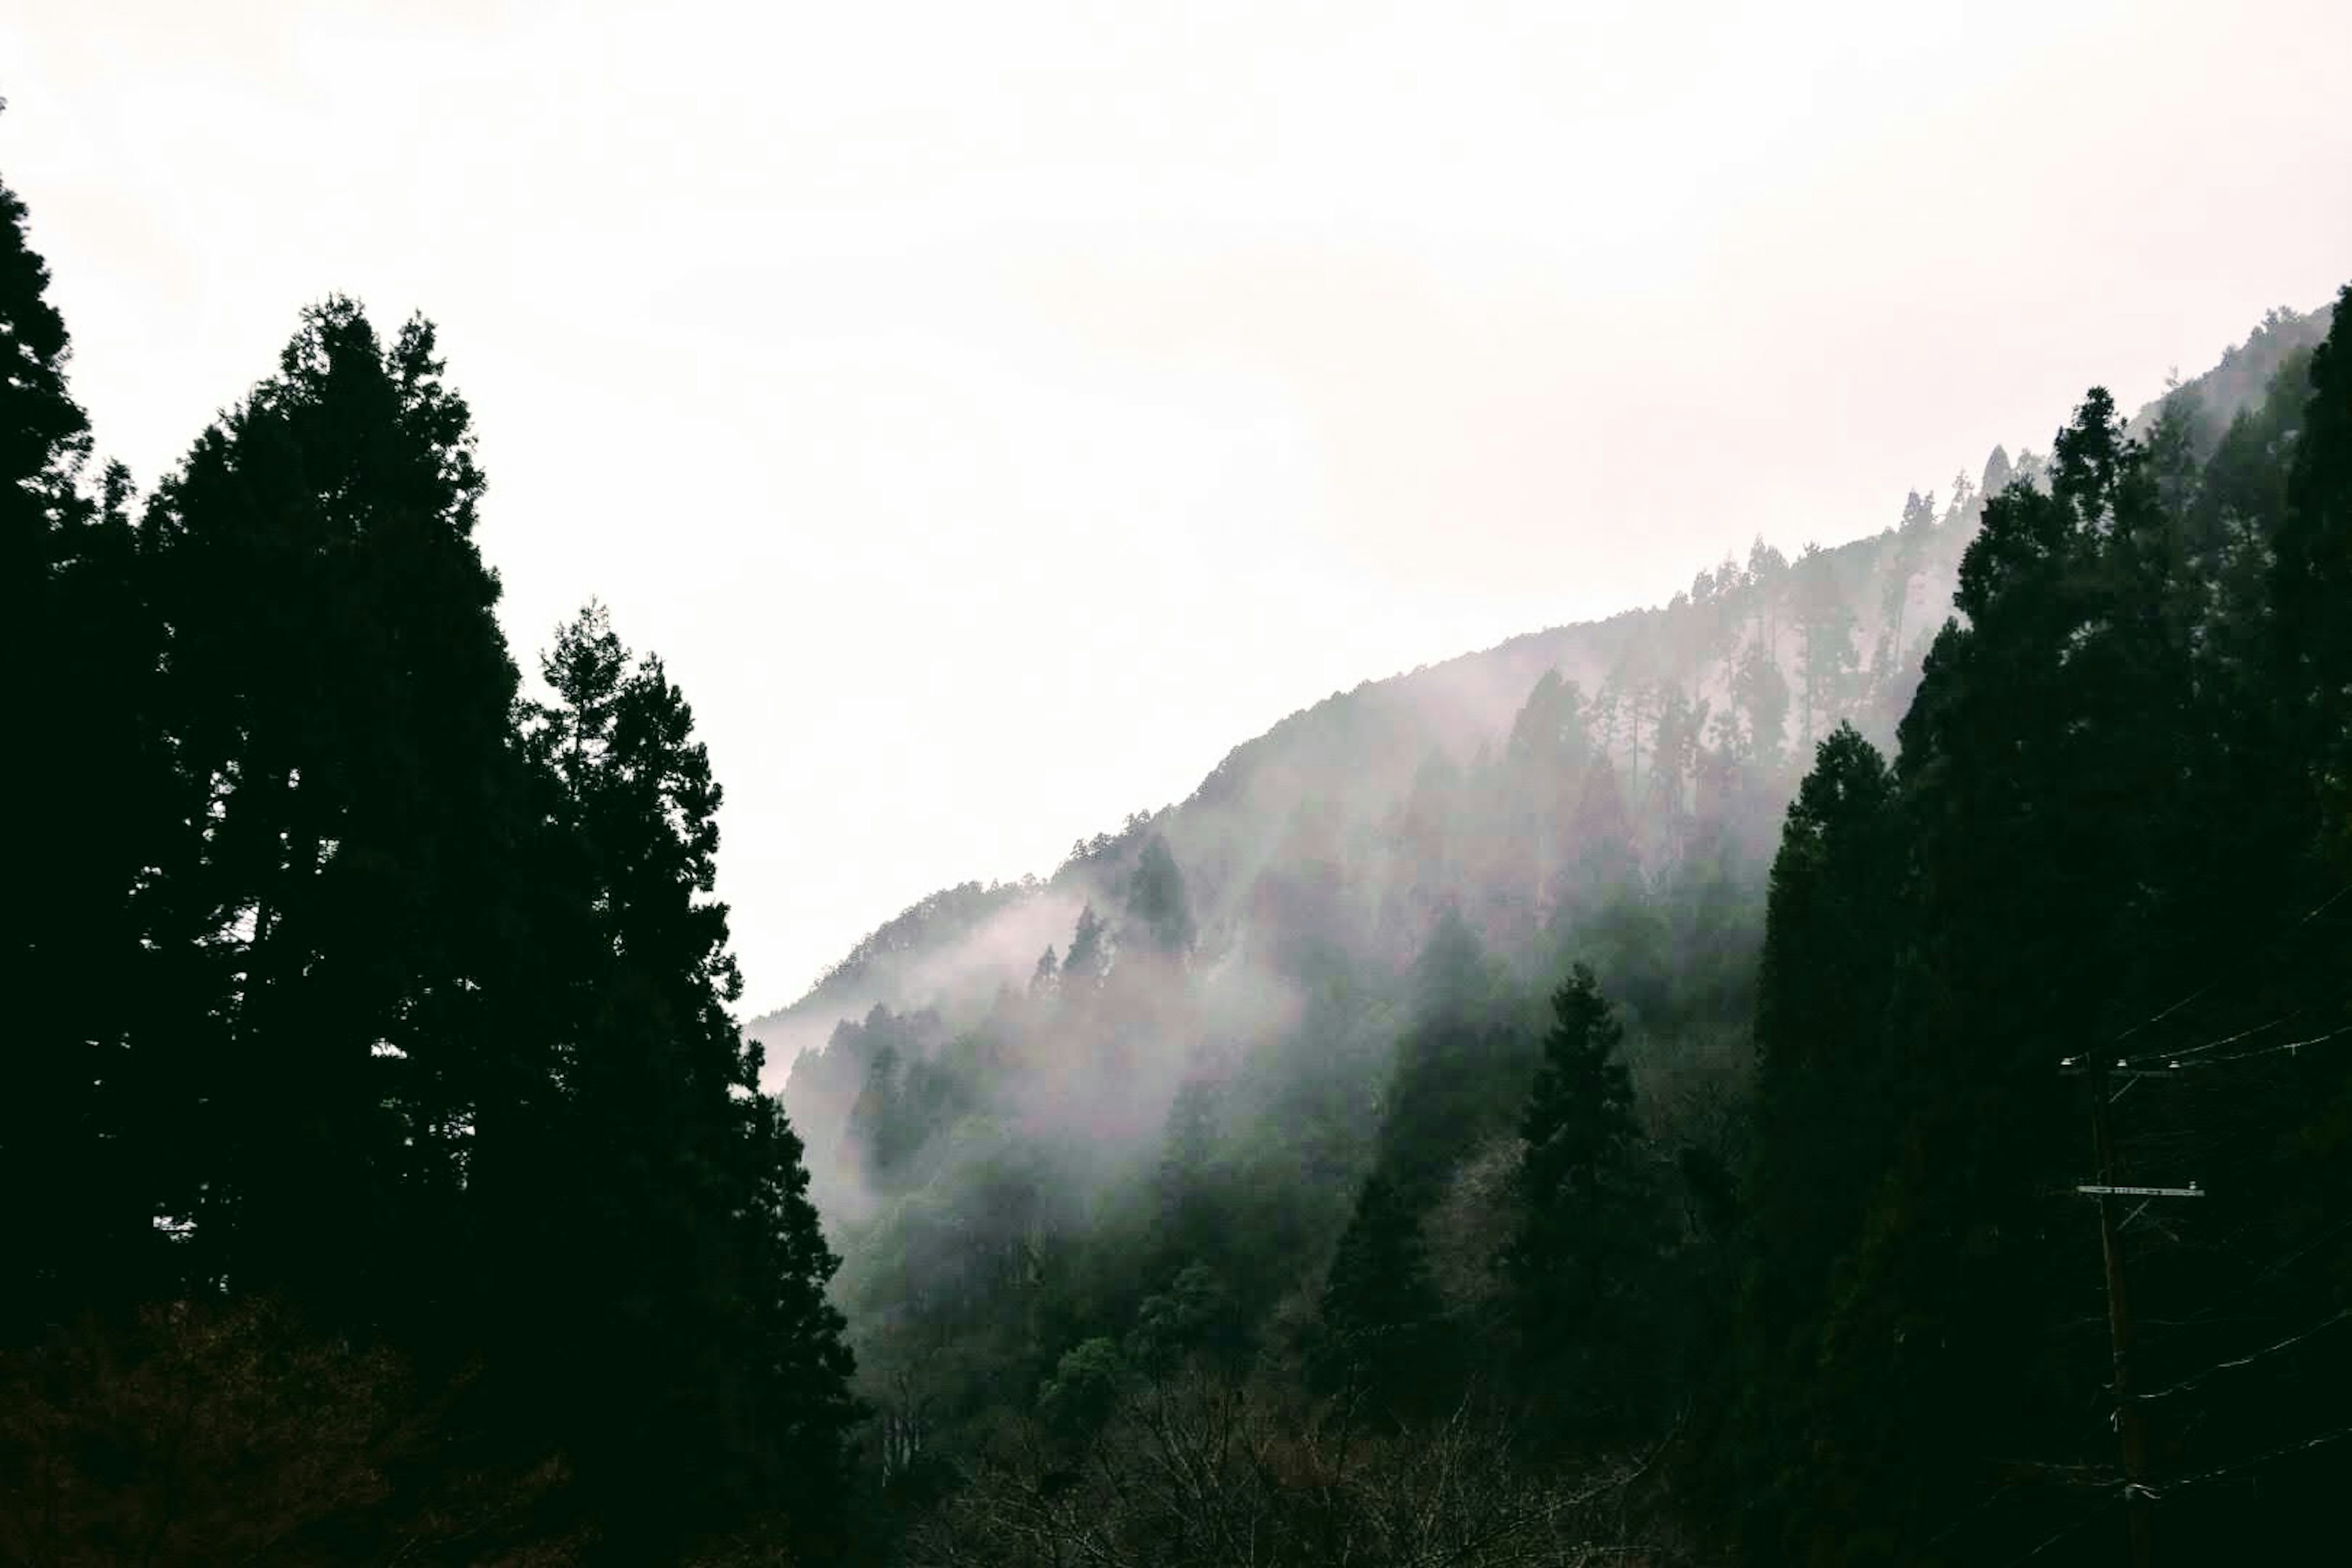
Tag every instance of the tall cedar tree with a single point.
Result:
(336, 703)
(1382, 1326)
(721, 1383)
(1583, 1261)
(1082, 970)
(76, 1123)
(1822, 1085)
(2314, 584)
(1156, 901)
(1456, 1078)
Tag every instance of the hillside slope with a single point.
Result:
(1264, 1091)
(1842, 630)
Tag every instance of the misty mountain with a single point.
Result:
(1759, 658)
(1555, 1024)
(1551, 1031)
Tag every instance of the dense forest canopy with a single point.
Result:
(1851, 1065)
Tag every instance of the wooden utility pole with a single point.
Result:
(2131, 1422)
(2131, 1425)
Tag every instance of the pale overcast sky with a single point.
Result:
(993, 413)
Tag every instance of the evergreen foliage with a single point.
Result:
(1582, 1259)
(2106, 837)
(377, 1023)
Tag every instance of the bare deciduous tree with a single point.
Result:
(1209, 1472)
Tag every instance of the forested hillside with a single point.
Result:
(1500, 1057)
(1853, 1066)
(1754, 662)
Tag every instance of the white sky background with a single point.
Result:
(994, 413)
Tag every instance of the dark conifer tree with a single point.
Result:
(724, 1374)
(1457, 1075)
(1156, 901)
(1082, 969)
(1189, 1198)
(2312, 580)
(1381, 1316)
(1998, 473)
(1825, 1079)
(79, 1129)
(1583, 1259)
(338, 710)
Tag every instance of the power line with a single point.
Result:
(2281, 1452)
(2160, 1016)
(2019, 1472)
(2273, 1050)
(2292, 1340)
(2163, 1013)
(2130, 1408)
(2297, 1256)
(2178, 1056)
(2053, 1541)
(2164, 1064)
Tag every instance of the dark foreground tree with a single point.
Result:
(336, 703)
(2107, 842)
(367, 1022)
(723, 1375)
(1584, 1263)
(82, 794)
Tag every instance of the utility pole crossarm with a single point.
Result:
(2075, 1067)
(2191, 1191)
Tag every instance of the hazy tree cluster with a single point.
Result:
(374, 1130)
(1322, 1157)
